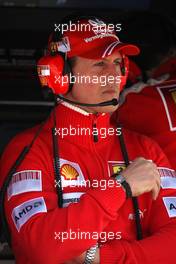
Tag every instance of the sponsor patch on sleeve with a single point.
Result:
(25, 181)
(23, 212)
(168, 178)
(170, 204)
(71, 198)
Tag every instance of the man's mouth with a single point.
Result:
(113, 92)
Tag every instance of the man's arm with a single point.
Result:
(159, 246)
(37, 224)
(143, 176)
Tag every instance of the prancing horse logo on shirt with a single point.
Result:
(115, 167)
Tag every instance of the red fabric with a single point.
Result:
(94, 38)
(152, 112)
(91, 38)
(98, 210)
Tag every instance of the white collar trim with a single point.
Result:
(75, 108)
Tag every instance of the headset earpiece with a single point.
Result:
(54, 69)
(50, 71)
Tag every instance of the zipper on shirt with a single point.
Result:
(95, 136)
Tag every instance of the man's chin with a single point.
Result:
(105, 109)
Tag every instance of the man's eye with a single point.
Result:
(117, 62)
(100, 63)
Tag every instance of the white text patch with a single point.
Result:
(170, 204)
(25, 181)
(23, 212)
(168, 178)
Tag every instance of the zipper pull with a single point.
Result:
(95, 135)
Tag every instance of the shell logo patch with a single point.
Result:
(115, 167)
(69, 172)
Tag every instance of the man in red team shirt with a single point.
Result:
(151, 105)
(41, 231)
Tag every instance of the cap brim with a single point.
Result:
(128, 49)
(100, 51)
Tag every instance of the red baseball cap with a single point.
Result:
(94, 39)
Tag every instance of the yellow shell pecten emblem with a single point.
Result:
(69, 172)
